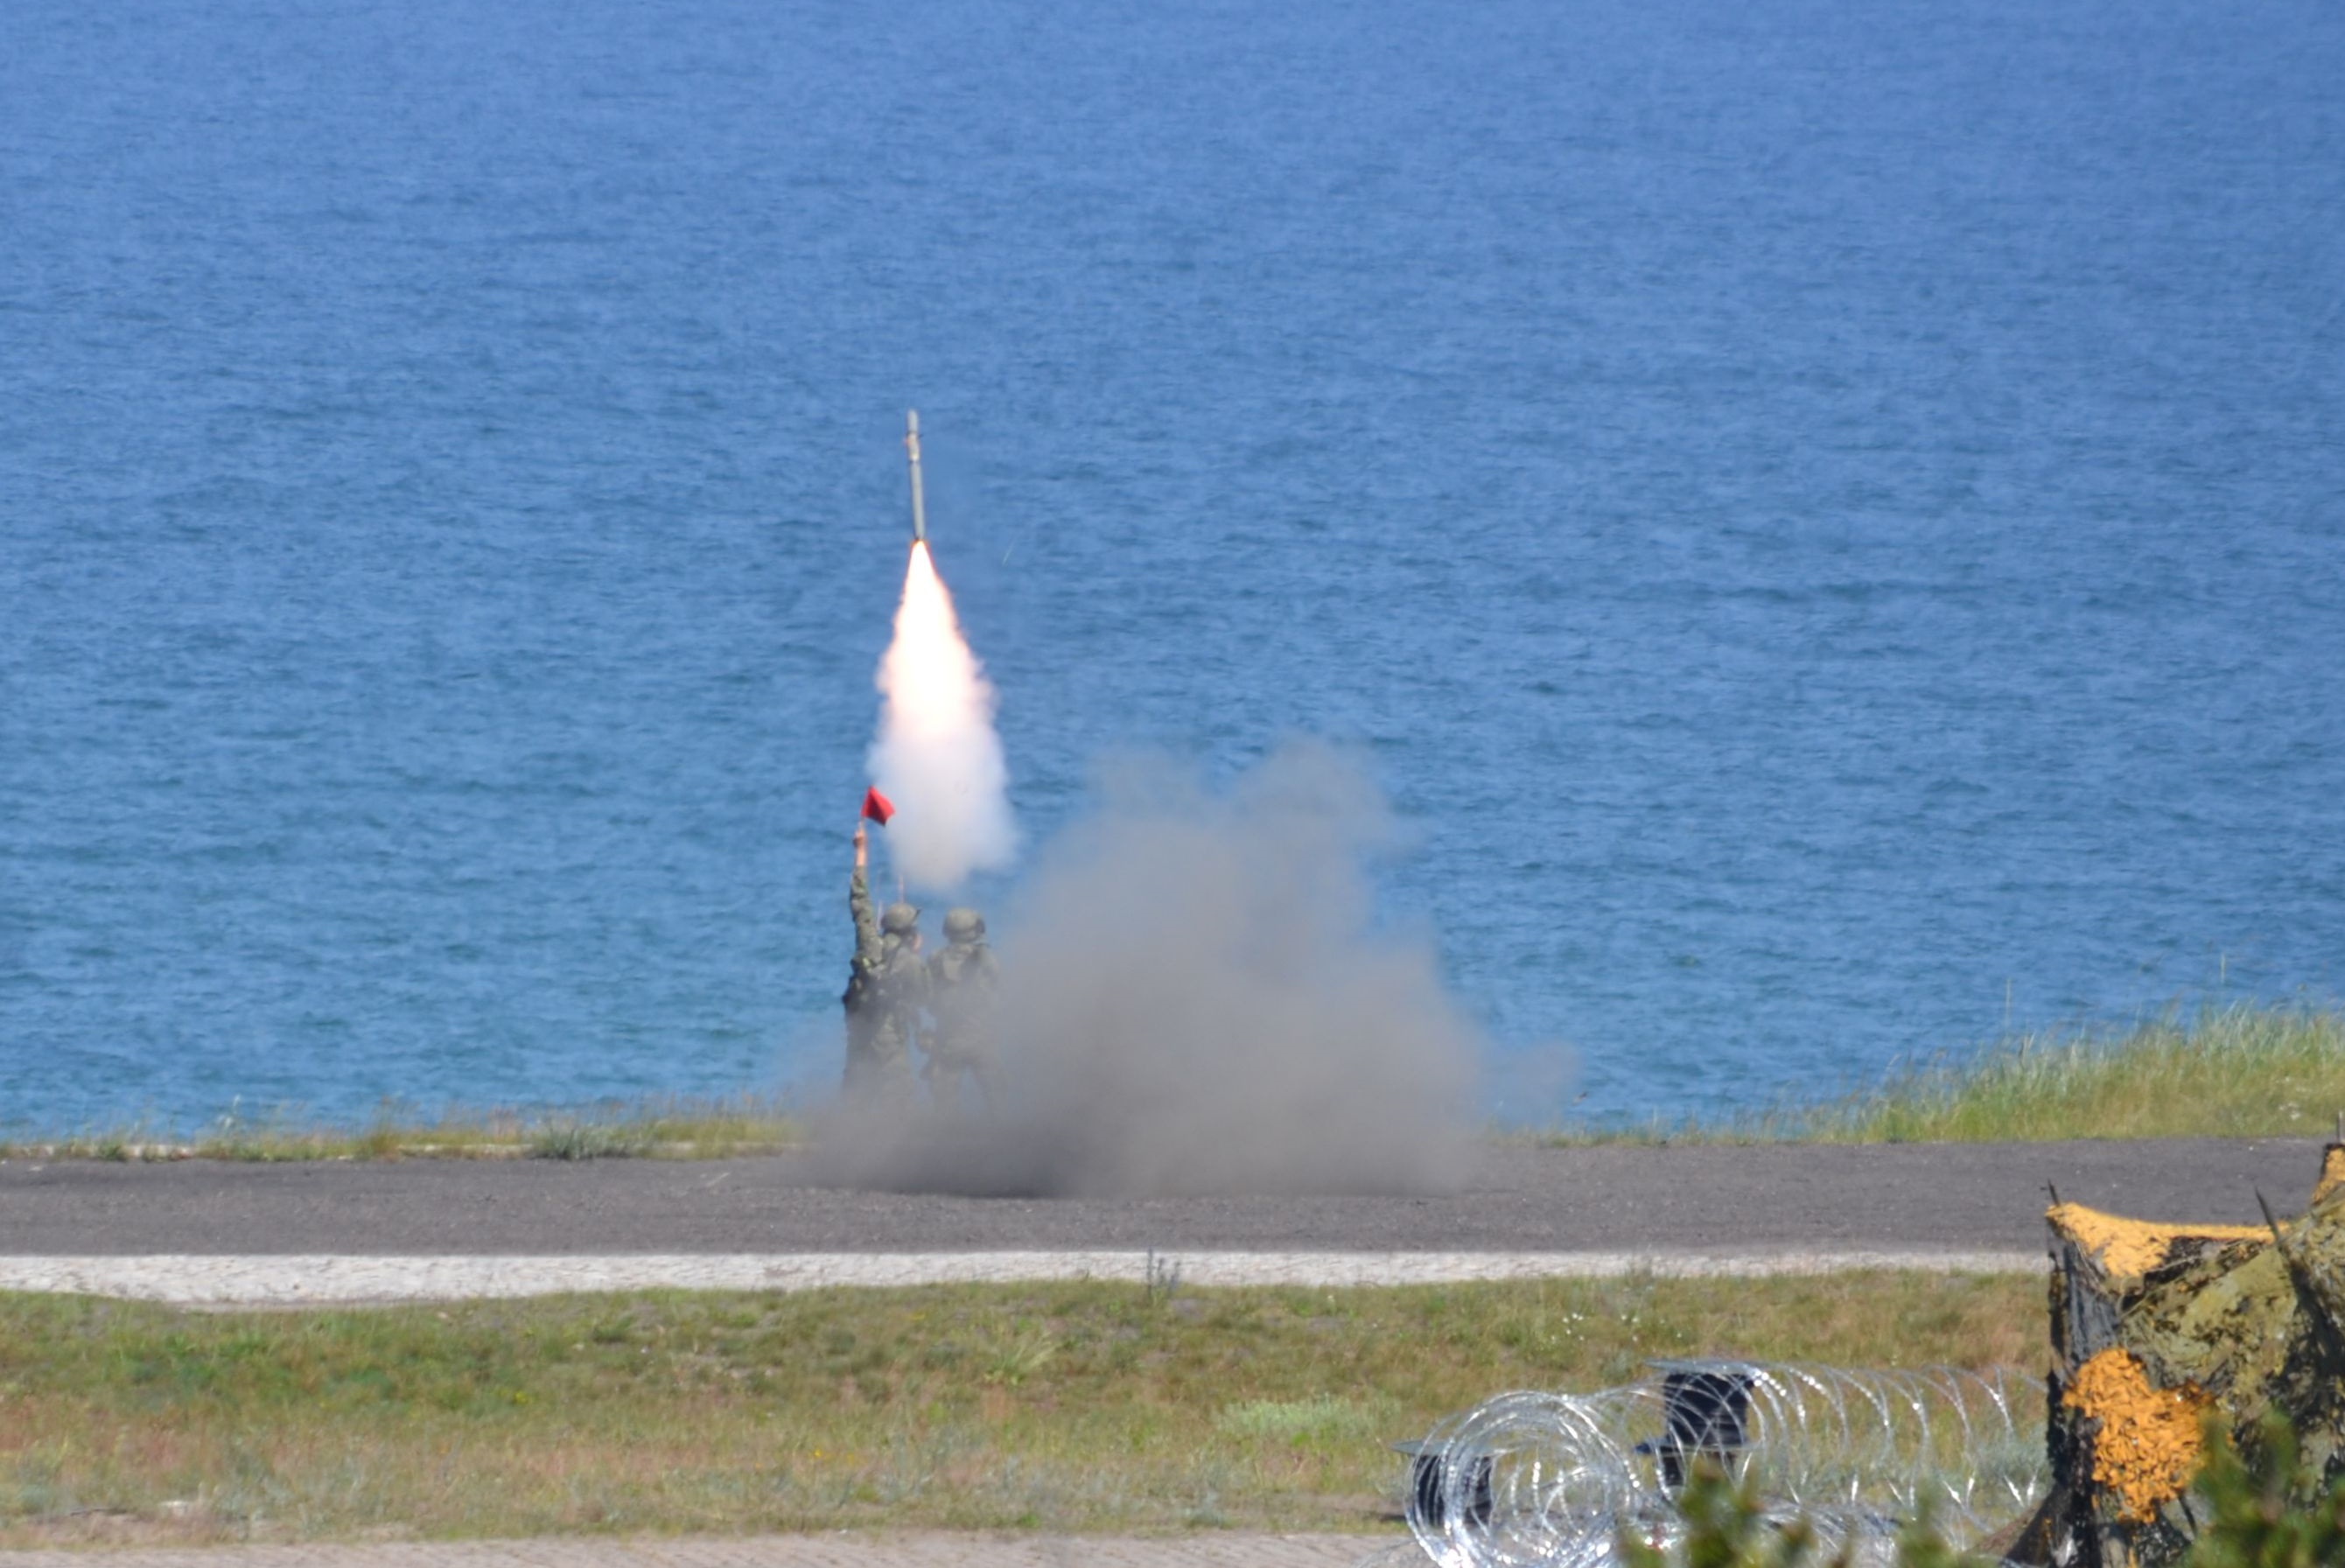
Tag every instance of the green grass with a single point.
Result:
(672, 1127)
(2225, 1072)
(2228, 1072)
(2232, 1072)
(1059, 1407)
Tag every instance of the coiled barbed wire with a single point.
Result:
(1553, 1481)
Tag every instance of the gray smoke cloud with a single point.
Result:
(1196, 1000)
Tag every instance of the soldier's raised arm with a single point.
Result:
(858, 904)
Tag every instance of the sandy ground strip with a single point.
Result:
(1231, 1549)
(195, 1281)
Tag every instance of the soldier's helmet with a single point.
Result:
(899, 919)
(963, 925)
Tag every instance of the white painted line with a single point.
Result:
(198, 1280)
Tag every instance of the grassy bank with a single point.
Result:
(670, 1127)
(2226, 1073)
(2229, 1073)
(2237, 1072)
(1054, 1407)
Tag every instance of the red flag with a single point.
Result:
(877, 807)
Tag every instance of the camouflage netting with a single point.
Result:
(2153, 1325)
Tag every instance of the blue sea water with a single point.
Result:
(1828, 521)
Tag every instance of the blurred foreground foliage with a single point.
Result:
(2249, 1521)
(1727, 1528)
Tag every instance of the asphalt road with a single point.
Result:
(1620, 1198)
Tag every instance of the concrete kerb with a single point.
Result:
(299, 1280)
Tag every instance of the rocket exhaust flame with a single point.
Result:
(937, 756)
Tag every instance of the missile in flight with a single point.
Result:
(912, 447)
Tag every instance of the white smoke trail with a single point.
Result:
(937, 757)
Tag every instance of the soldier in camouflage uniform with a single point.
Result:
(964, 984)
(884, 992)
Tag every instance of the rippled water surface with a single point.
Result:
(1829, 521)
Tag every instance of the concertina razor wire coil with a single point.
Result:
(1553, 1481)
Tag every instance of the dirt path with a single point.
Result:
(911, 1551)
